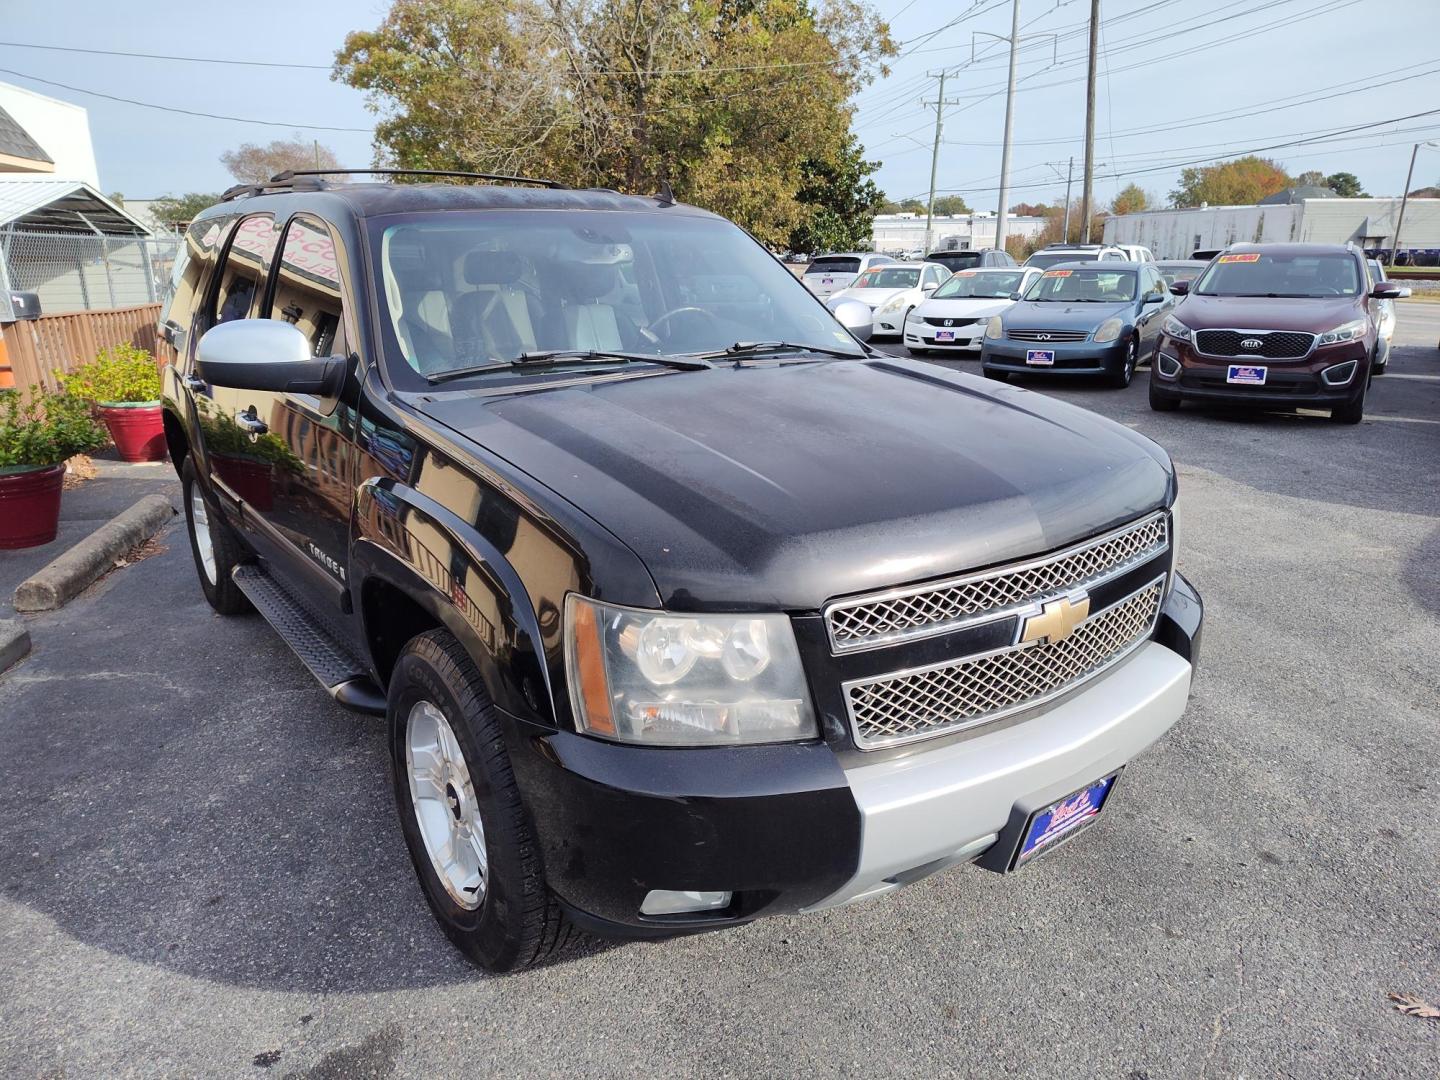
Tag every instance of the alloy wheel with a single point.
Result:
(204, 542)
(445, 808)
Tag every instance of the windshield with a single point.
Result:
(888, 277)
(1263, 273)
(991, 285)
(833, 265)
(1100, 286)
(468, 288)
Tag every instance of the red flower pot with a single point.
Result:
(138, 430)
(30, 506)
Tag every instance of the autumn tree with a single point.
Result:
(1231, 183)
(1131, 199)
(1026, 209)
(738, 104)
(950, 205)
(253, 164)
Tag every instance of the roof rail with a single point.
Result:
(312, 180)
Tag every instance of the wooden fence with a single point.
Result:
(40, 349)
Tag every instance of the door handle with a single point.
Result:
(196, 384)
(250, 423)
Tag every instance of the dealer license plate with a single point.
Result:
(1246, 375)
(1040, 357)
(944, 335)
(1056, 823)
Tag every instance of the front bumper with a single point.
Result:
(787, 828)
(1071, 357)
(968, 338)
(1287, 382)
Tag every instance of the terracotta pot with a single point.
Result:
(138, 429)
(30, 506)
(252, 480)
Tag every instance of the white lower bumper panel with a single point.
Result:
(944, 806)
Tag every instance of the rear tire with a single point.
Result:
(1161, 401)
(214, 546)
(492, 901)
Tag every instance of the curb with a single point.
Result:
(68, 574)
(14, 642)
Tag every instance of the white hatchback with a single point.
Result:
(953, 319)
(891, 292)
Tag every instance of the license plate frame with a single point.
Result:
(1040, 357)
(1042, 834)
(1246, 374)
(945, 335)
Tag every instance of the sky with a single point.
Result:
(1179, 81)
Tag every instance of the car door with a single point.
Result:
(1155, 302)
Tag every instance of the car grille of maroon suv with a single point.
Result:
(1273, 344)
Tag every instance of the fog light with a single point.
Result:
(676, 902)
(1340, 374)
(1167, 365)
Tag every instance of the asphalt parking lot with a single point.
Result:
(201, 872)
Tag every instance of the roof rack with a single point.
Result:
(311, 179)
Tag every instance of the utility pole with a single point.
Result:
(1002, 218)
(940, 104)
(1087, 196)
(1404, 198)
(1069, 178)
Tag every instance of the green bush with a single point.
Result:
(121, 373)
(44, 429)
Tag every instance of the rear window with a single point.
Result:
(1173, 273)
(834, 265)
(888, 277)
(1263, 273)
(988, 284)
(956, 260)
(1043, 259)
(1099, 286)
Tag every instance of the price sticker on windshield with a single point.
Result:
(1249, 256)
(1058, 273)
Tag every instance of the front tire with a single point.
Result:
(1161, 401)
(1353, 411)
(214, 546)
(1121, 379)
(469, 834)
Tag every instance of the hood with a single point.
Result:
(963, 307)
(1049, 315)
(1310, 315)
(780, 486)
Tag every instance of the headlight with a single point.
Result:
(994, 329)
(893, 304)
(1173, 327)
(1109, 330)
(1350, 331)
(684, 680)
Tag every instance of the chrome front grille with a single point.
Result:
(1047, 335)
(959, 694)
(921, 611)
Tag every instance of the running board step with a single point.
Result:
(339, 671)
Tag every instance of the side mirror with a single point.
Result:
(1389, 290)
(1180, 288)
(929, 286)
(1017, 296)
(267, 354)
(853, 316)
(1155, 298)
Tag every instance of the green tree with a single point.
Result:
(733, 102)
(946, 205)
(1131, 199)
(1231, 183)
(842, 201)
(1310, 178)
(1346, 185)
(252, 164)
(180, 210)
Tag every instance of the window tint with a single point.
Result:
(307, 287)
(888, 277)
(1101, 286)
(834, 265)
(246, 266)
(192, 269)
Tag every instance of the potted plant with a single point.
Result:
(251, 466)
(38, 432)
(124, 383)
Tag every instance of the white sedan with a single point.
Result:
(892, 291)
(953, 318)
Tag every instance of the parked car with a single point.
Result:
(1386, 320)
(1173, 270)
(828, 274)
(1056, 254)
(682, 607)
(1080, 318)
(892, 292)
(971, 259)
(1137, 252)
(1274, 324)
(953, 319)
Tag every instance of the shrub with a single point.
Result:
(121, 373)
(44, 429)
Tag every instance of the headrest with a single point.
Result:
(493, 268)
(411, 264)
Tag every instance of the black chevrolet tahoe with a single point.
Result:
(682, 606)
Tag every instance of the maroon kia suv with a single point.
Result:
(1275, 325)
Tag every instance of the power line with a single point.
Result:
(163, 56)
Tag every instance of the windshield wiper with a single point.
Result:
(547, 357)
(755, 348)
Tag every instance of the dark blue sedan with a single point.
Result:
(1100, 319)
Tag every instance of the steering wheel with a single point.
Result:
(680, 311)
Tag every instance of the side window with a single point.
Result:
(193, 263)
(246, 266)
(307, 287)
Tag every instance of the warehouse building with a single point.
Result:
(1302, 217)
(894, 233)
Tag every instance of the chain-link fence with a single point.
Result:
(73, 272)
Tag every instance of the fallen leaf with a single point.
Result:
(1411, 1005)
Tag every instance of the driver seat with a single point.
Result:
(589, 324)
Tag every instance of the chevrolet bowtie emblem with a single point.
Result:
(1056, 619)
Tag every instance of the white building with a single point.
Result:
(1174, 234)
(894, 233)
(58, 130)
